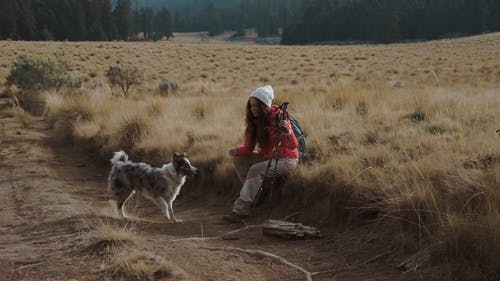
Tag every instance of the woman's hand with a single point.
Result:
(283, 126)
(233, 151)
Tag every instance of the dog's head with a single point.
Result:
(182, 165)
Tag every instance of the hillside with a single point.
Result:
(402, 180)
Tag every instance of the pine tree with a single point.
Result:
(213, 22)
(26, 22)
(163, 24)
(8, 25)
(122, 17)
(78, 21)
(107, 21)
(146, 23)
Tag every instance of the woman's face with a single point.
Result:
(254, 107)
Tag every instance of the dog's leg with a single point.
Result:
(121, 205)
(168, 210)
(159, 202)
(169, 205)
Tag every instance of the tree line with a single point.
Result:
(296, 21)
(384, 21)
(78, 20)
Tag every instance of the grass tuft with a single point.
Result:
(141, 266)
(21, 115)
(105, 236)
(131, 131)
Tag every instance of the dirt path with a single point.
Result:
(50, 193)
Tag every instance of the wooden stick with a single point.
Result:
(196, 238)
(268, 255)
(290, 216)
(29, 265)
(336, 271)
(230, 232)
(217, 237)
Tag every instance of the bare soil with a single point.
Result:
(51, 192)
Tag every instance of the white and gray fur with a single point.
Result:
(160, 185)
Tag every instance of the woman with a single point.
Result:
(262, 131)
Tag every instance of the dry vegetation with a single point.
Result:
(406, 131)
(113, 240)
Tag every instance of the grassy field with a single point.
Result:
(403, 131)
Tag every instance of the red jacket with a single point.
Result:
(287, 149)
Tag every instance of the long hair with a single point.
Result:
(256, 126)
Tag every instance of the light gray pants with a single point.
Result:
(251, 171)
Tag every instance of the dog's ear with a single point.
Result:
(176, 156)
(184, 154)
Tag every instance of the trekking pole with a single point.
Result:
(281, 116)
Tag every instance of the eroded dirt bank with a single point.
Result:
(52, 195)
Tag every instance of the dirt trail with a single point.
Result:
(50, 193)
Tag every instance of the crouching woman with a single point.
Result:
(273, 140)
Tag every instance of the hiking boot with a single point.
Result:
(234, 217)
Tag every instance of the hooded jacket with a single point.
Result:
(287, 148)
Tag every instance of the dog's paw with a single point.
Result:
(178, 221)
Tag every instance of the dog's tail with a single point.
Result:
(119, 156)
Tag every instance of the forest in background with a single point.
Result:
(296, 21)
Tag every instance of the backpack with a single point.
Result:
(300, 135)
(298, 132)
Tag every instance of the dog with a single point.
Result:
(160, 185)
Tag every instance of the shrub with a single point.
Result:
(105, 235)
(123, 77)
(40, 74)
(132, 130)
(362, 108)
(142, 266)
(167, 86)
(418, 116)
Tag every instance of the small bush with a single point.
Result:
(40, 74)
(142, 266)
(435, 129)
(105, 236)
(123, 77)
(132, 130)
(168, 86)
(418, 116)
(24, 117)
(362, 108)
(337, 104)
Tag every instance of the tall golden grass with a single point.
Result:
(401, 129)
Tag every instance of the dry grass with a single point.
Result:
(105, 236)
(392, 128)
(22, 116)
(143, 266)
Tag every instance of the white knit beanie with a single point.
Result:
(264, 94)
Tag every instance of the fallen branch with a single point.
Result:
(29, 265)
(196, 238)
(268, 255)
(289, 230)
(346, 268)
(240, 229)
(291, 216)
(416, 260)
(225, 236)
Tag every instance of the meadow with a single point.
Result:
(404, 133)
